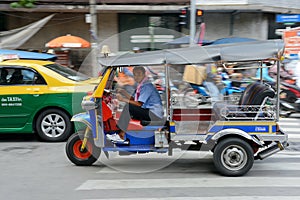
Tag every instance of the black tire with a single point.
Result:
(233, 157)
(81, 158)
(53, 125)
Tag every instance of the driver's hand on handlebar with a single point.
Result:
(120, 97)
(120, 90)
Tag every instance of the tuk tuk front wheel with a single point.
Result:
(79, 156)
(233, 157)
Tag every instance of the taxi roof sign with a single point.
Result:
(8, 57)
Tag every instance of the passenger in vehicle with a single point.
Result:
(38, 80)
(16, 77)
(3, 79)
(145, 104)
(125, 80)
(265, 73)
(211, 83)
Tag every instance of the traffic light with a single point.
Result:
(199, 16)
(184, 17)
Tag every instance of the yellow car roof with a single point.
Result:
(26, 62)
(50, 75)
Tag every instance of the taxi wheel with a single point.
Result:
(76, 155)
(53, 125)
(233, 157)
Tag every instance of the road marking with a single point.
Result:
(113, 166)
(288, 119)
(214, 182)
(287, 154)
(263, 166)
(258, 166)
(289, 130)
(210, 198)
(295, 136)
(288, 124)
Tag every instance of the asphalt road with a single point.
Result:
(35, 170)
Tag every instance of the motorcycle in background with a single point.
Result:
(289, 99)
(199, 94)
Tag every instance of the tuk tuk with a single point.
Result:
(236, 133)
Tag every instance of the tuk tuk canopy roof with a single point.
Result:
(237, 52)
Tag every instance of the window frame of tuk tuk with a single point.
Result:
(260, 62)
(98, 93)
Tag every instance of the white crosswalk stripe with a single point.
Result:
(264, 165)
(212, 198)
(131, 185)
(215, 182)
(292, 127)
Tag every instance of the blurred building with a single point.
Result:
(148, 24)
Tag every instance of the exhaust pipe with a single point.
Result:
(270, 151)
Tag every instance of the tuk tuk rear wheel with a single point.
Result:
(76, 155)
(233, 157)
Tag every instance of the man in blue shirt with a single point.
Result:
(145, 105)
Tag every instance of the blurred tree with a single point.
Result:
(23, 4)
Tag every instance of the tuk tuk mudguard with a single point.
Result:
(89, 118)
(83, 118)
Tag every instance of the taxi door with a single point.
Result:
(19, 99)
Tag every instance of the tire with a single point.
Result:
(81, 158)
(192, 99)
(53, 125)
(233, 157)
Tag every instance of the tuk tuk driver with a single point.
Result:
(145, 104)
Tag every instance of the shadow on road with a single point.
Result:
(13, 137)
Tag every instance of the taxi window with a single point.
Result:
(67, 72)
(3, 76)
(20, 76)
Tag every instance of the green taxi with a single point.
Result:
(40, 97)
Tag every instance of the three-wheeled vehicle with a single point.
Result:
(236, 133)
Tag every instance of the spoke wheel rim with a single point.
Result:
(53, 125)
